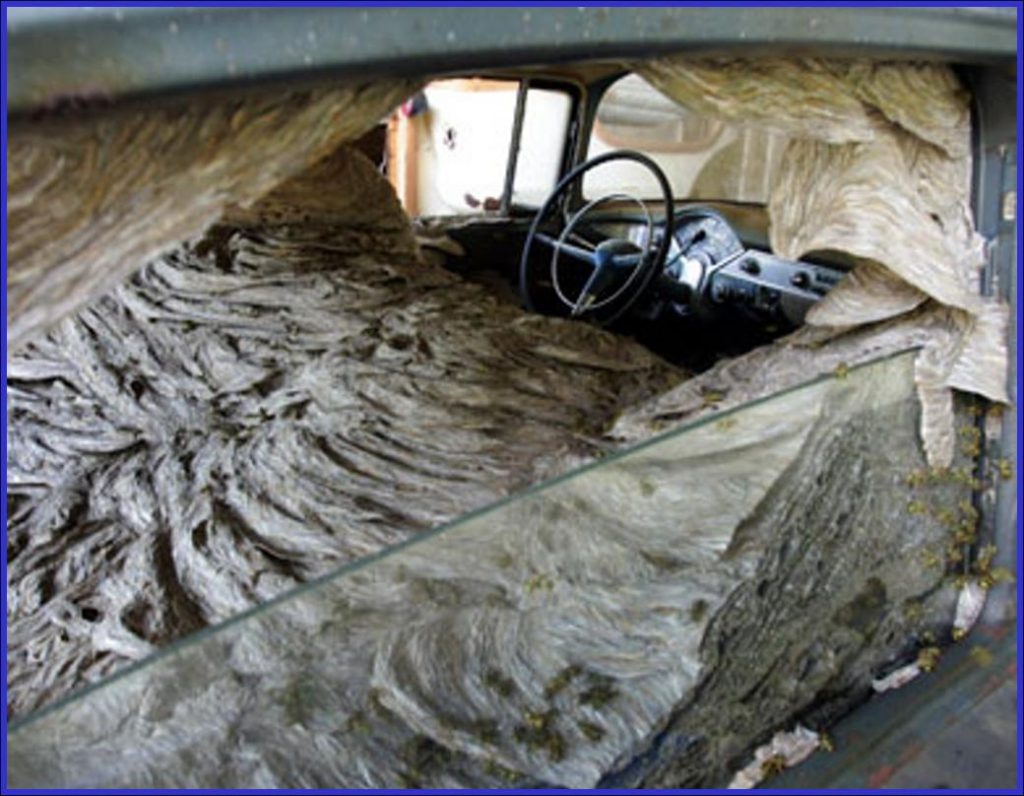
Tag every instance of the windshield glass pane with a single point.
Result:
(542, 640)
(703, 158)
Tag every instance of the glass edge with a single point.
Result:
(24, 722)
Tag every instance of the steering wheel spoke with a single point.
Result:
(561, 246)
(579, 240)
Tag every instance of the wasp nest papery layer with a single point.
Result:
(878, 166)
(91, 198)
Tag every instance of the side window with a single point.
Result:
(449, 147)
(703, 158)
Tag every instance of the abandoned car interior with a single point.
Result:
(605, 405)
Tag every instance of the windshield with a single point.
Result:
(703, 158)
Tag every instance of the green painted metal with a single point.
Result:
(76, 55)
(953, 728)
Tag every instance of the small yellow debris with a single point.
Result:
(967, 509)
(825, 742)
(561, 681)
(913, 610)
(496, 769)
(930, 559)
(928, 659)
(593, 732)
(972, 449)
(917, 478)
(711, 397)
(499, 683)
(842, 370)
(982, 656)
(538, 582)
(357, 723)
(917, 507)
(773, 765)
(984, 559)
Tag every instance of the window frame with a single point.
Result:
(571, 144)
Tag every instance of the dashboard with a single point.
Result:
(710, 270)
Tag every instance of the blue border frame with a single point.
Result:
(534, 4)
(1020, 432)
(542, 3)
(229, 3)
(3, 442)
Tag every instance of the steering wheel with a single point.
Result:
(620, 271)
